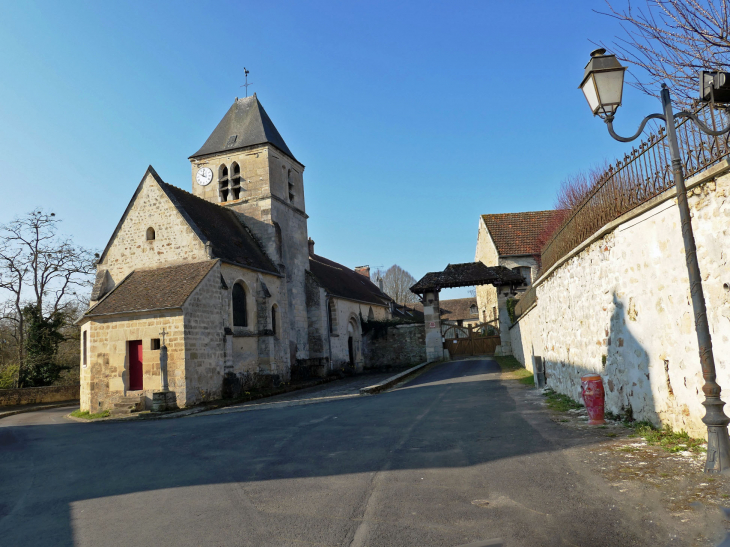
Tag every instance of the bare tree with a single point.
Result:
(672, 40)
(396, 284)
(40, 267)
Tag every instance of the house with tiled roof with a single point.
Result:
(202, 294)
(511, 240)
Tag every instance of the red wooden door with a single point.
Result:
(135, 365)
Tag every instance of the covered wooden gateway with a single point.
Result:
(476, 340)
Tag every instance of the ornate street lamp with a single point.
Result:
(602, 86)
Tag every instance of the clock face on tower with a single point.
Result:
(204, 176)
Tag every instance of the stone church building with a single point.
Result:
(225, 278)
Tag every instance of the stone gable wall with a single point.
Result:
(174, 243)
(486, 253)
(105, 379)
(404, 345)
(621, 308)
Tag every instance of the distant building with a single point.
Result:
(511, 240)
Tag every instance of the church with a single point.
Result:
(222, 280)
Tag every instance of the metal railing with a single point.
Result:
(639, 176)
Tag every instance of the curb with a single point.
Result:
(36, 409)
(190, 411)
(390, 382)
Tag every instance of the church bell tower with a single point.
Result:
(245, 165)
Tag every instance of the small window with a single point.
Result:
(240, 318)
(85, 349)
(155, 345)
(332, 316)
(473, 310)
(273, 319)
(150, 233)
(290, 182)
(371, 315)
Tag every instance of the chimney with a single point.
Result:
(363, 270)
(311, 246)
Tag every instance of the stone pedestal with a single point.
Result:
(163, 400)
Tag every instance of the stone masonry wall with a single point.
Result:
(174, 243)
(403, 345)
(35, 395)
(349, 313)
(280, 224)
(622, 308)
(105, 379)
(486, 253)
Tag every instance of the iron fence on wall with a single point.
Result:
(639, 176)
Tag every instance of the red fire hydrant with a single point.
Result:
(593, 397)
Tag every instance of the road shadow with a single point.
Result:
(456, 415)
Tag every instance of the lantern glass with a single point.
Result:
(589, 90)
(610, 84)
(603, 83)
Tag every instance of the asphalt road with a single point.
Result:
(446, 460)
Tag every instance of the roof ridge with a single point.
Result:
(519, 213)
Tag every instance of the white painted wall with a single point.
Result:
(621, 308)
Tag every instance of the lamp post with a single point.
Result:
(602, 86)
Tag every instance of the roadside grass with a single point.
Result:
(666, 438)
(509, 364)
(86, 415)
(670, 440)
(561, 403)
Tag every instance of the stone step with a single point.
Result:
(129, 406)
(120, 411)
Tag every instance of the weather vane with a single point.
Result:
(246, 71)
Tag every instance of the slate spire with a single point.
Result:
(245, 124)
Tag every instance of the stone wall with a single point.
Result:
(174, 243)
(105, 379)
(347, 323)
(34, 395)
(620, 306)
(486, 253)
(278, 222)
(403, 345)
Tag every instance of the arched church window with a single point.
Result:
(235, 181)
(223, 183)
(273, 318)
(290, 182)
(371, 315)
(332, 315)
(240, 317)
(150, 233)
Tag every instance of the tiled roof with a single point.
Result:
(341, 281)
(455, 309)
(156, 289)
(230, 238)
(518, 233)
(409, 312)
(467, 274)
(245, 124)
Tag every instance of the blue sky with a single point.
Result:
(412, 118)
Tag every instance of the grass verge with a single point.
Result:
(670, 440)
(509, 364)
(561, 403)
(86, 415)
